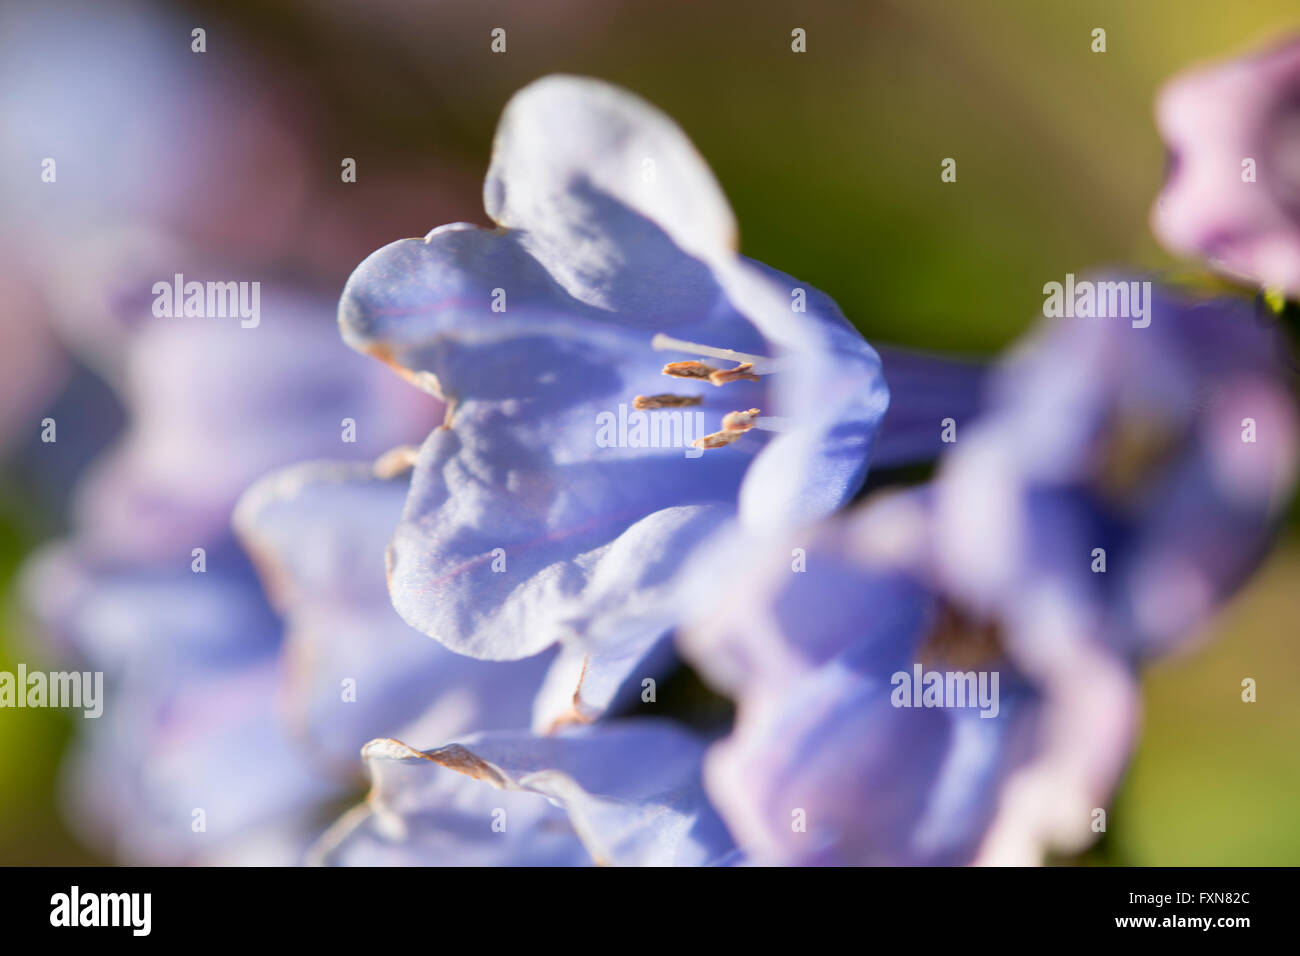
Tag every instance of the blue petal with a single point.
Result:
(524, 527)
(582, 685)
(173, 742)
(318, 532)
(631, 792)
(1101, 435)
(189, 451)
(810, 634)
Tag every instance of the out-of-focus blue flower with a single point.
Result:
(535, 516)
(212, 407)
(190, 684)
(32, 366)
(215, 702)
(190, 648)
(826, 764)
(1233, 191)
(139, 128)
(1169, 447)
(317, 533)
(132, 158)
(623, 793)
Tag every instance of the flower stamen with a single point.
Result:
(690, 370)
(647, 402)
(734, 424)
(744, 372)
(740, 421)
(666, 343)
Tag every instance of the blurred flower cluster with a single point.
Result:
(629, 549)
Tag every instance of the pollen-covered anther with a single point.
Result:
(648, 402)
(744, 372)
(689, 370)
(716, 440)
(734, 424)
(739, 421)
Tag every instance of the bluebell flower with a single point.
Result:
(191, 649)
(608, 307)
(831, 640)
(193, 389)
(1161, 454)
(191, 681)
(1118, 486)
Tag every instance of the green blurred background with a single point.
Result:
(831, 160)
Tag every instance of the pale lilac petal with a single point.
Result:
(630, 790)
(586, 172)
(523, 527)
(317, 532)
(184, 766)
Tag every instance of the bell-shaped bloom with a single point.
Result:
(573, 476)
(878, 721)
(187, 757)
(1137, 469)
(625, 793)
(1118, 486)
(152, 589)
(1232, 195)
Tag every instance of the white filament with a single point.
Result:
(666, 343)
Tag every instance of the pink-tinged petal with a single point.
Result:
(1214, 119)
(1086, 737)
